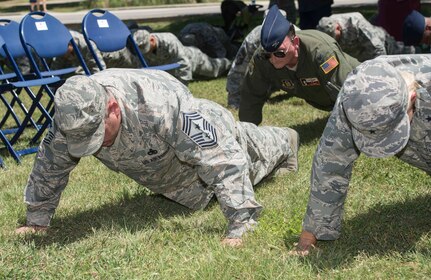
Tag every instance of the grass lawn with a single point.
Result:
(109, 227)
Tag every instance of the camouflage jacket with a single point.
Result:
(362, 40)
(336, 153)
(155, 148)
(242, 58)
(70, 60)
(209, 39)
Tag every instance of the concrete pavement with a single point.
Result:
(166, 11)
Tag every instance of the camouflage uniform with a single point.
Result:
(341, 143)
(193, 62)
(211, 40)
(361, 39)
(22, 62)
(184, 148)
(69, 60)
(321, 70)
(239, 66)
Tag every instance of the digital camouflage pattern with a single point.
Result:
(80, 106)
(158, 148)
(22, 62)
(337, 151)
(360, 39)
(239, 66)
(193, 63)
(211, 40)
(70, 60)
(375, 103)
(321, 70)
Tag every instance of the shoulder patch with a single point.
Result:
(329, 64)
(48, 138)
(199, 130)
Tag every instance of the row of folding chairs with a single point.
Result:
(40, 37)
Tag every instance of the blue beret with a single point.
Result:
(274, 29)
(413, 28)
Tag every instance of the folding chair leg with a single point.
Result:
(9, 147)
(11, 111)
(36, 104)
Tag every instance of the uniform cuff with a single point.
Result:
(237, 230)
(321, 232)
(38, 218)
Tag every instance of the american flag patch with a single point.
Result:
(328, 65)
(199, 130)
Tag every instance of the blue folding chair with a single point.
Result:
(9, 30)
(20, 83)
(44, 37)
(110, 34)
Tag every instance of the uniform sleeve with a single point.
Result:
(220, 163)
(254, 91)
(241, 61)
(333, 67)
(48, 178)
(330, 176)
(373, 40)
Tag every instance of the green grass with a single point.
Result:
(109, 227)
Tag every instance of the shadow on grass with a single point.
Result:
(311, 131)
(132, 214)
(384, 229)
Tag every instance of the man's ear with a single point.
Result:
(153, 42)
(295, 42)
(413, 97)
(113, 107)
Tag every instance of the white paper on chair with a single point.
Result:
(102, 23)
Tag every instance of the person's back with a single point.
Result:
(359, 38)
(211, 40)
(194, 63)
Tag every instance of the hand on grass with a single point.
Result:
(307, 242)
(232, 242)
(30, 229)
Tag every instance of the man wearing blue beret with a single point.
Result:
(417, 30)
(309, 65)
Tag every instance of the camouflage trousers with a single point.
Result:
(267, 148)
(205, 66)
